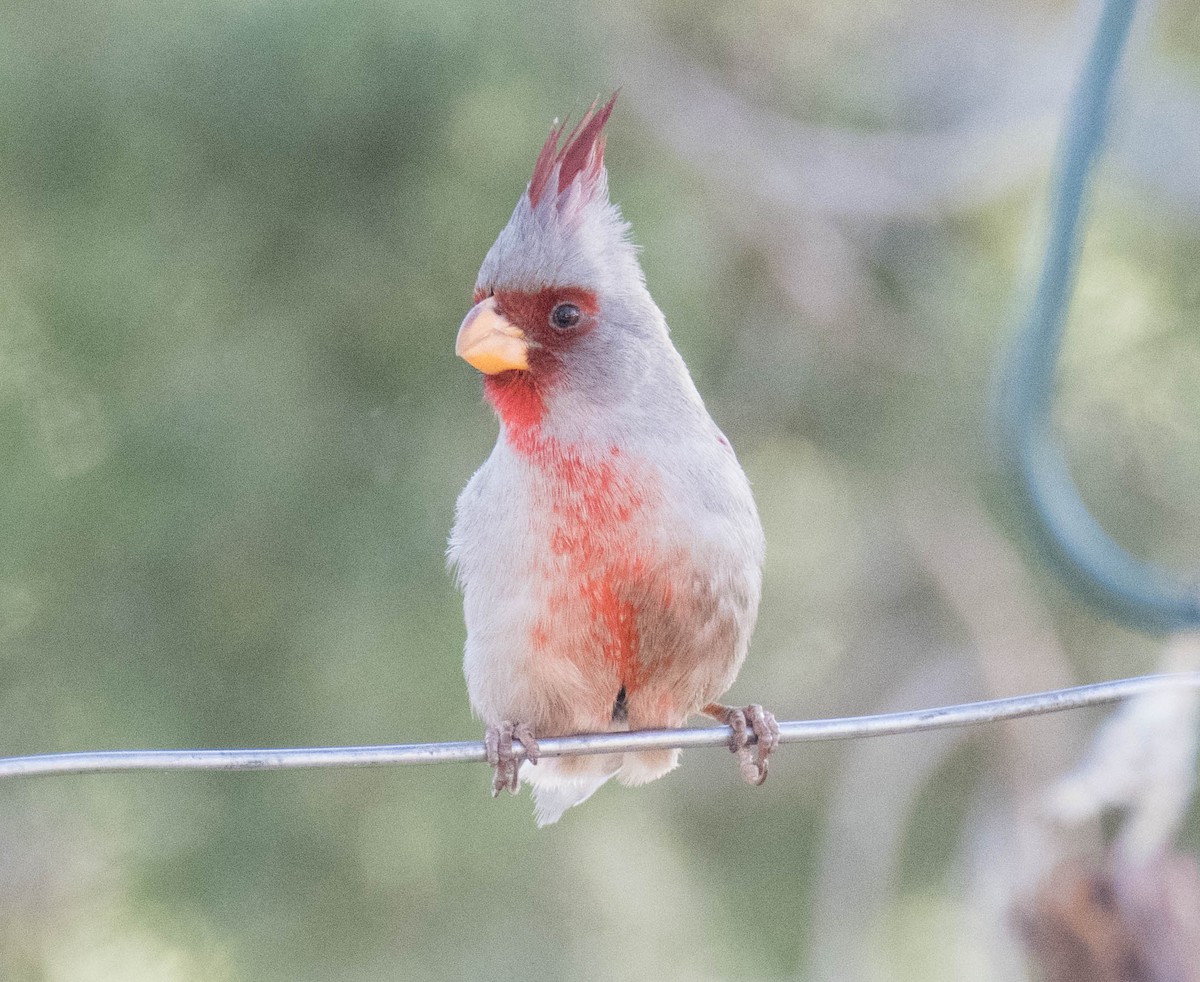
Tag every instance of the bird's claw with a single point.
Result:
(752, 719)
(498, 741)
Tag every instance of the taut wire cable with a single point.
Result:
(800, 731)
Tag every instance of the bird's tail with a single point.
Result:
(561, 783)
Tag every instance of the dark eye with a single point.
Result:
(564, 316)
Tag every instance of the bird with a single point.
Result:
(609, 549)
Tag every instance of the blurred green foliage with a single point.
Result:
(236, 240)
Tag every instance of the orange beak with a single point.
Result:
(490, 342)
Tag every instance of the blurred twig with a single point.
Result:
(863, 845)
(981, 577)
(840, 172)
(1125, 905)
(1002, 138)
(1141, 765)
(802, 731)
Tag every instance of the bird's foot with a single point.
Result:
(498, 740)
(745, 721)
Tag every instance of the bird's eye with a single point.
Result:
(564, 316)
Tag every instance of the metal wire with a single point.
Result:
(1135, 592)
(848, 728)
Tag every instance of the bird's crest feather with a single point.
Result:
(581, 155)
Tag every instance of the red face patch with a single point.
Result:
(532, 313)
(518, 396)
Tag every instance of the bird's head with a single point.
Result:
(560, 301)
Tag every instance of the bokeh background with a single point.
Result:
(236, 241)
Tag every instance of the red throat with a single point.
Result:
(520, 406)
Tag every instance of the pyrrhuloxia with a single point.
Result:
(609, 550)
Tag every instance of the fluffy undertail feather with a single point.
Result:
(646, 766)
(551, 799)
(561, 784)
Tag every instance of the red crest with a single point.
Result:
(581, 153)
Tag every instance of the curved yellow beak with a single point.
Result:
(490, 342)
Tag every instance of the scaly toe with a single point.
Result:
(498, 744)
(509, 764)
(766, 730)
(739, 743)
(524, 733)
(491, 744)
